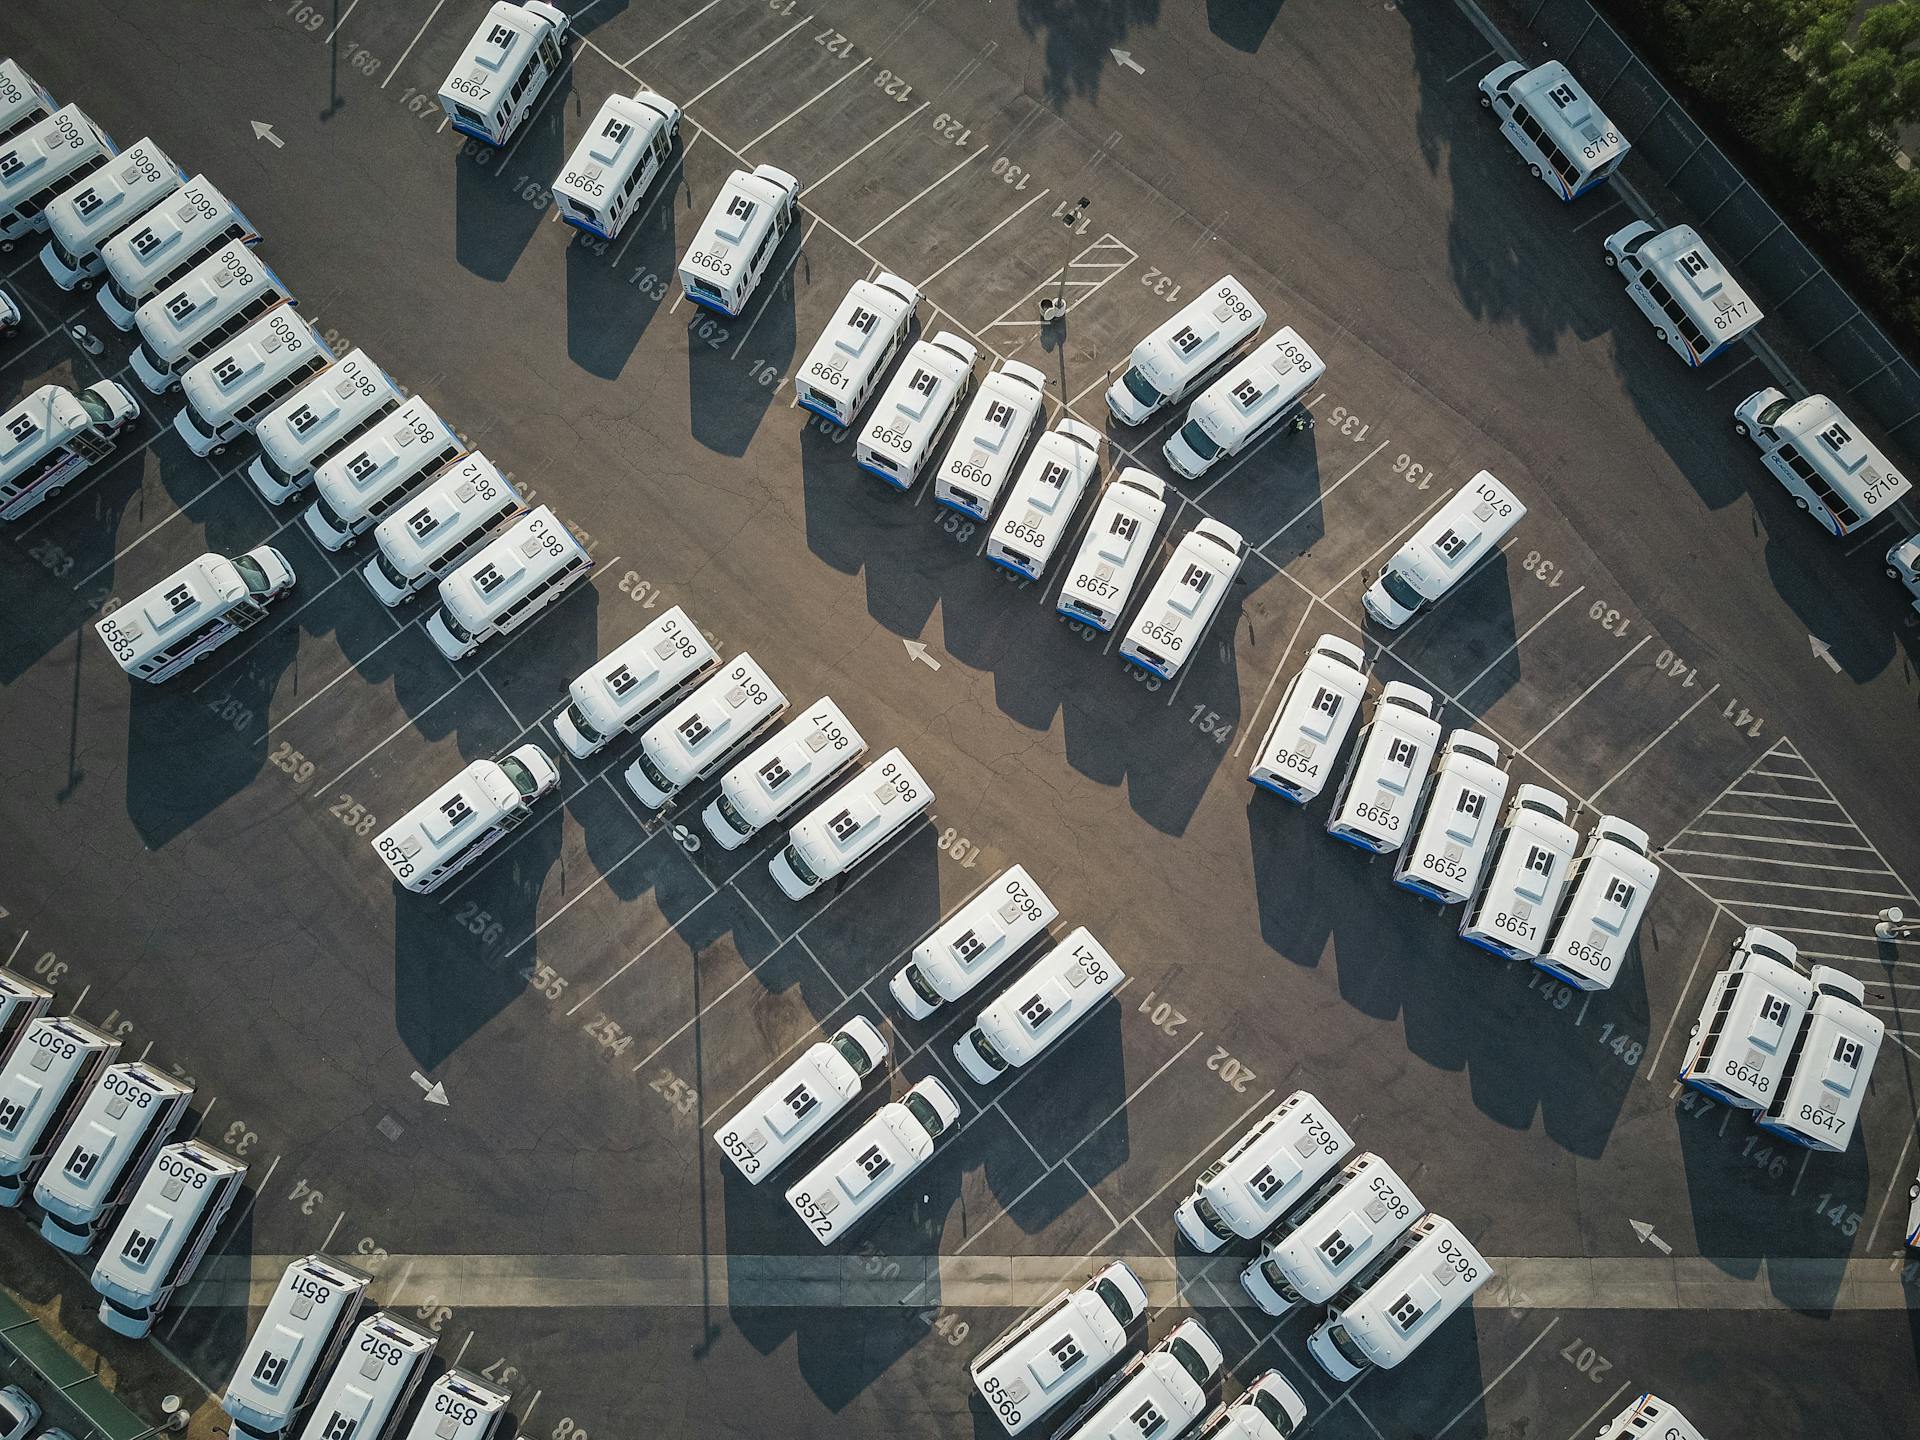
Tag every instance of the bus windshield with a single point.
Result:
(250, 571)
(1194, 436)
(521, 777)
(95, 407)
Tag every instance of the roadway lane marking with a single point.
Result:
(802, 106)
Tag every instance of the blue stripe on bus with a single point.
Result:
(1419, 886)
(1269, 785)
(823, 414)
(958, 508)
(480, 135)
(1491, 948)
(1355, 841)
(710, 305)
(892, 480)
(1009, 565)
(583, 225)
(1773, 1127)
(1083, 619)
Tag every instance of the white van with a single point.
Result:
(1268, 1169)
(869, 1165)
(1454, 823)
(1345, 1225)
(731, 249)
(1004, 413)
(1316, 713)
(192, 316)
(324, 416)
(194, 611)
(813, 749)
(495, 83)
(24, 101)
(21, 1003)
(192, 227)
(365, 480)
(1269, 1409)
(1566, 139)
(521, 571)
(55, 434)
(131, 1111)
(50, 1073)
(693, 739)
(850, 824)
(439, 526)
(661, 661)
(456, 824)
(1373, 808)
(976, 940)
(1607, 893)
(1159, 1395)
(1042, 501)
(1114, 551)
(915, 409)
(1531, 865)
(1178, 355)
(82, 218)
(1829, 466)
(1183, 599)
(1652, 1417)
(1041, 1360)
(165, 1231)
(299, 1337)
(846, 362)
(230, 390)
(1819, 1095)
(1737, 1050)
(1695, 305)
(47, 157)
(1245, 403)
(1903, 564)
(798, 1103)
(1384, 1316)
(622, 153)
(1035, 1012)
(1444, 551)
(460, 1405)
(385, 1360)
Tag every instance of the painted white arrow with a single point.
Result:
(1824, 651)
(264, 131)
(1645, 1231)
(917, 651)
(1124, 59)
(436, 1093)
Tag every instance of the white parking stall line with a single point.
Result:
(927, 190)
(1899, 1178)
(1134, 1214)
(1524, 636)
(352, 5)
(641, 954)
(494, 691)
(411, 43)
(1686, 988)
(1094, 275)
(39, 340)
(805, 948)
(798, 25)
(815, 185)
(1780, 840)
(1440, 1434)
(1317, 500)
(1777, 795)
(983, 239)
(151, 530)
(818, 95)
(1867, 915)
(285, 621)
(1473, 64)
(351, 668)
(1729, 374)
(1781, 774)
(1438, 501)
(413, 719)
(787, 270)
(1765, 860)
(1864, 934)
(1780, 885)
(1874, 532)
(1586, 1427)
(666, 35)
(1599, 214)
(1780, 819)
(1578, 699)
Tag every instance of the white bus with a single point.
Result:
(385, 1360)
(1004, 413)
(50, 1073)
(323, 417)
(869, 1165)
(1242, 1194)
(194, 611)
(130, 1112)
(82, 218)
(1599, 915)
(520, 572)
(24, 101)
(1695, 305)
(1385, 1315)
(1168, 365)
(1532, 862)
(1335, 1233)
(1245, 403)
(976, 940)
(797, 1104)
(363, 482)
(499, 76)
(1454, 823)
(300, 1335)
(192, 227)
(915, 409)
(622, 153)
(460, 1405)
(1269, 1409)
(1546, 115)
(1114, 551)
(163, 1234)
(1455, 539)
(1652, 1417)
(1159, 1395)
(735, 242)
(55, 434)
(1183, 599)
(1041, 1360)
(693, 739)
(1737, 1049)
(1041, 503)
(1039, 1009)
(21, 1003)
(38, 163)
(850, 824)
(188, 319)
(230, 390)
(1374, 806)
(459, 822)
(1818, 1098)
(813, 749)
(629, 684)
(1829, 466)
(441, 524)
(1316, 714)
(847, 361)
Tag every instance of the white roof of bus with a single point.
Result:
(1703, 286)
(154, 617)
(431, 830)
(712, 708)
(261, 352)
(39, 423)
(856, 331)
(286, 1330)
(1057, 979)
(1673, 1425)
(223, 277)
(1562, 107)
(123, 190)
(615, 143)
(744, 208)
(100, 1130)
(1833, 1018)
(21, 94)
(158, 1215)
(349, 1393)
(176, 226)
(517, 556)
(399, 442)
(1424, 548)
(447, 495)
(1133, 492)
(1280, 1141)
(1275, 373)
(931, 369)
(1352, 1209)
(35, 158)
(339, 398)
(1424, 1277)
(29, 1090)
(1201, 566)
(499, 45)
(1216, 323)
(641, 656)
(795, 746)
(860, 799)
(1855, 459)
(1057, 466)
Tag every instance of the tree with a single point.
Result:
(1861, 89)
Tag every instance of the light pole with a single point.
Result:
(1054, 307)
